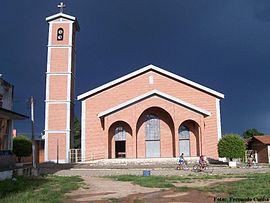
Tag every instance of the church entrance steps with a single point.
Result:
(134, 163)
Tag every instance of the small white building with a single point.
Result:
(7, 115)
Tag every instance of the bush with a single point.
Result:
(22, 147)
(231, 146)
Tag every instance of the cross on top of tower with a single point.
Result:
(61, 6)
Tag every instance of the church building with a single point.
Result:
(148, 113)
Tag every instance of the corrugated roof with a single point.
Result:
(263, 139)
(7, 114)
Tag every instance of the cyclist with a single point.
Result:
(181, 162)
(202, 162)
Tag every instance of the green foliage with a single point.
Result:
(22, 146)
(251, 132)
(231, 146)
(77, 134)
(37, 189)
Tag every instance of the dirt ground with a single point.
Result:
(102, 190)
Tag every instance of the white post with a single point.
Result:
(33, 134)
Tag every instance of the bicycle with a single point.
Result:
(251, 165)
(182, 166)
(206, 169)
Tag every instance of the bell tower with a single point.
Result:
(59, 103)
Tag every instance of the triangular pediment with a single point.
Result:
(146, 69)
(151, 94)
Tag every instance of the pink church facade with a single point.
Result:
(150, 113)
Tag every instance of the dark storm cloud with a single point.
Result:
(220, 44)
(261, 10)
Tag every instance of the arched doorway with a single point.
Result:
(120, 140)
(155, 134)
(189, 139)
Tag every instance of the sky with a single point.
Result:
(223, 45)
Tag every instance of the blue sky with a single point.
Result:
(224, 45)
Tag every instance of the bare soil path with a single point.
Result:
(106, 190)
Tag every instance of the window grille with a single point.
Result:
(184, 133)
(152, 127)
(119, 134)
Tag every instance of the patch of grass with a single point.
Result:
(137, 201)
(254, 186)
(37, 189)
(145, 181)
(162, 181)
(192, 178)
(113, 200)
(183, 189)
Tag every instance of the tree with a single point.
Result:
(231, 146)
(77, 134)
(22, 147)
(251, 132)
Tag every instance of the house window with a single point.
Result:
(184, 140)
(60, 34)
(152, 127)
(119, 134)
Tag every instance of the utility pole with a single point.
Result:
(33, 134)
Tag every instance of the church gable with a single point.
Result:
(146, 80)
(151, 80)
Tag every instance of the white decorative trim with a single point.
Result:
(60, 161)
(58, 15)
(50, 35)
(46, 115)
(58, 46)
(57, 131)
(46, 147)
(83, 131)
(69, 97)
(268, 149)
(150, 94)
(59, 22)
(46, 152)
(58, 101)
(67, 146)
(70, 34)
(218, 118)
(147, 68)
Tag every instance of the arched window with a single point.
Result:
(119, 134)
(184, 140)
(152, 136)
(152, 127)
(183, 133)
(60, 34)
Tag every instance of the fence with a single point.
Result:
(253, 153)
(75, 155)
